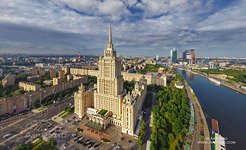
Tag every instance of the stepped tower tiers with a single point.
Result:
(109, 93)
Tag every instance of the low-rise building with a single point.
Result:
(56, 81)
(61, 75)
(179, 85)
(52, 73)
(38, 71)
(29, 86)
(33, 78)
(9, 80)
(66, 70)
(151, 78)
(25, 101)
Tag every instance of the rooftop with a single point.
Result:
(94, 125)
(102, 112)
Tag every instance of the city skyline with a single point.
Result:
(213, 28)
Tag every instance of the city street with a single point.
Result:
(146, 119)
(22, 123)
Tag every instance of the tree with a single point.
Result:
(141, 134)
(171, 116)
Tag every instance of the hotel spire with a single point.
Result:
(110, 43)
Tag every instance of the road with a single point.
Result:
(17, 124)
(196, 135)
(199, 116)
(146, 119)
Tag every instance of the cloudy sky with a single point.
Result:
(140, 27)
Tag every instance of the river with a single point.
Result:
(223, 104)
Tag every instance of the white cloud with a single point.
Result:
(228, 18)
(113, 8)
(177, 2)
(131, 3)
(153, 7)
(179, 26)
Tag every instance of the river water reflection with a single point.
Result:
(223, 104)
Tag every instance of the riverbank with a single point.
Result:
(201, 136)
(224, 83)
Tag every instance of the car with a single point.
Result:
(97, 145)
(88, 141)
(92, 142)
(63, 135)
(57, 132)
(81, 138)
(64, 145)
(7, 135)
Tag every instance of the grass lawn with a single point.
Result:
(43, 145)
(68, 111)
(37, 144)
(66, 114)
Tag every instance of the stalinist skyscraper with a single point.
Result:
(110, 103)
(110, 90)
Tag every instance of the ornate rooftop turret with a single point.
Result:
(82, 88)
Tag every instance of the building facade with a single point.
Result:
(29, 86)
(52, 73)
(25, 101)
(151, 79)
(38, 71)
(131, 107)
(83, 99)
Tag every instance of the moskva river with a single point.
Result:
(223, 104)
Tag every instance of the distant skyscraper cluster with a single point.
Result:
(189, 56)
